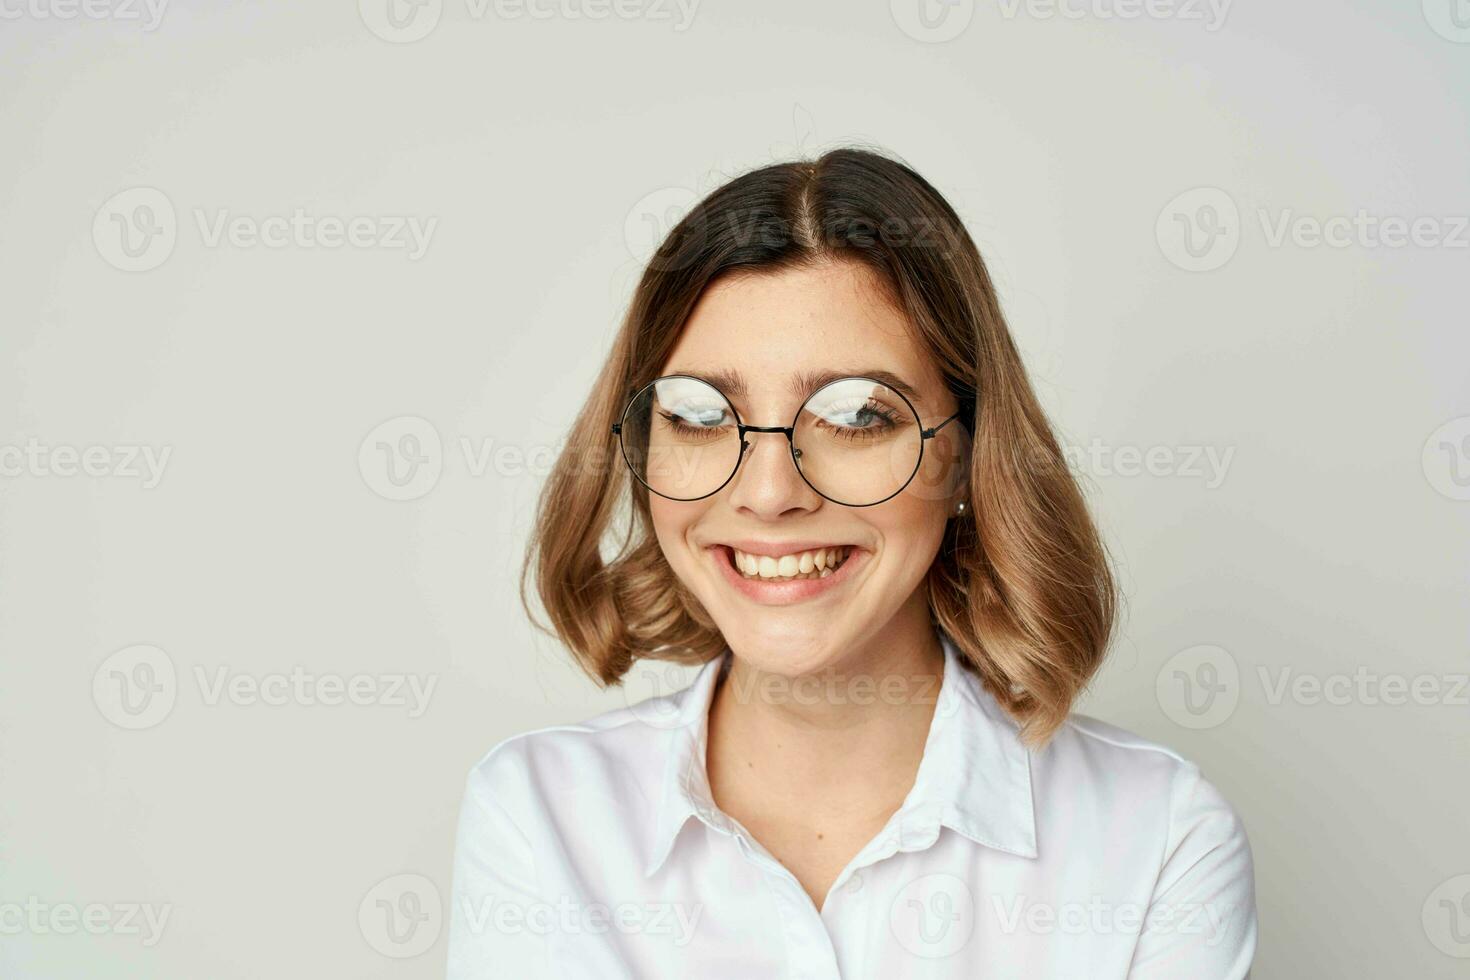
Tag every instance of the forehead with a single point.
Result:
(773, 327)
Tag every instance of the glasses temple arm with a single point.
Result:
(929, 433)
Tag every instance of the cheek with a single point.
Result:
(912, 531)
(671, 523)
(667, 521)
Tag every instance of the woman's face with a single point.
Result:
(769, 329)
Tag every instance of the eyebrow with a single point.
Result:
(803, 383)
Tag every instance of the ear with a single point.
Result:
(961, 494)
(962, 474)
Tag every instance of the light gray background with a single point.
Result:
(1327, 545)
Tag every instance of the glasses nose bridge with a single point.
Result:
(785, 430)
(745, 445)
(788, 431)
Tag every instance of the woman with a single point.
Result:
(848, 507)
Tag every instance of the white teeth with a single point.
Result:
(818, 563)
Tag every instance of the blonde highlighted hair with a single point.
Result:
(1021, 582)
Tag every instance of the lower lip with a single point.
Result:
(784, 592)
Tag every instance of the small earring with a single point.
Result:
(959, 509)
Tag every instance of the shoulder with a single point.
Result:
(1117, 758)
(1140, 780)
(617, 752)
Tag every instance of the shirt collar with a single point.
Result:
(974, 778)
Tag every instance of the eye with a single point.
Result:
(688, 405)
(858, 419)
(697, 421)
(704, 416)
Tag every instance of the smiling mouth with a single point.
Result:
(816, 563)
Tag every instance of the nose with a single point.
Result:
(766, 484)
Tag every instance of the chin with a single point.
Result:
(789, 646)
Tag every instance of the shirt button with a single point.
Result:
(855, 883)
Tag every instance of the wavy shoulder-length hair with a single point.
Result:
(1021, 581)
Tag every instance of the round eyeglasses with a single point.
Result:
(855, 441)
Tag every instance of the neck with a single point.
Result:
(803, 733)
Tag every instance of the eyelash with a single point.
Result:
(685, 429)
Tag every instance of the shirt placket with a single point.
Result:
(810, 953)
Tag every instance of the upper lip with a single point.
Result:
(776, 549)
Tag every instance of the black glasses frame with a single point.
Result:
(787, 430)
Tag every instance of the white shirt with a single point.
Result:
(596, 851)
